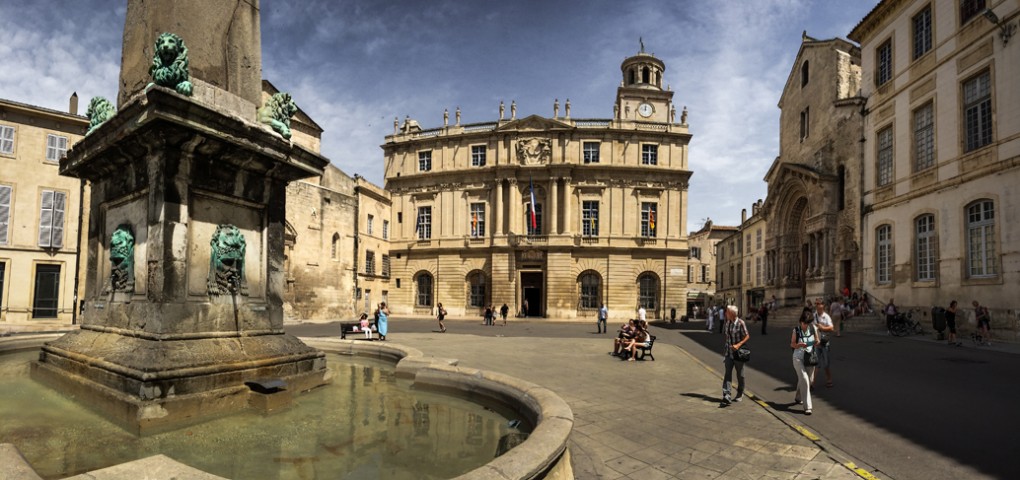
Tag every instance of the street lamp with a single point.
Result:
(1006, 30)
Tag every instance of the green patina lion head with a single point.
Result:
(122, 259)
(100, 110)
(170, 64)
(226, 267)
(277, 112)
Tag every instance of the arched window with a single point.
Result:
(883, 254)
(804, 73)
(591, 287)
(981, 239)
(658, 79)
(646, 76)
(924, 248)
(631, 77)
(648, 291)
(841, 192)
(334, 251)
(424, 297)
(476, 282)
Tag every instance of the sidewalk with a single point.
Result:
(633, 420)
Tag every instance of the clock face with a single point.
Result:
(645, 110)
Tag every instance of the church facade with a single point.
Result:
(552, 216)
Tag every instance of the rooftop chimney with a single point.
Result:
(73, 107)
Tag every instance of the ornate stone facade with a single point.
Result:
(608, 222)
(703, 266)
(811, 210)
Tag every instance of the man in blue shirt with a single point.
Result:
(600, 327)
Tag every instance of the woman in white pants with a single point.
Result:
(802, 341)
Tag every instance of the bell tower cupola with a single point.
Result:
(641, 95)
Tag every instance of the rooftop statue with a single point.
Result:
(277, 112)
(100, 110)
(170, 64)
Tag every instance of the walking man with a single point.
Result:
(711, 317)
(600, 326)
(524, 309)
(836, 313)
(735, 337)
(984, 322)
(824, 323)
(890, 316)
(763, 315)
(641, 313)
(503, 312)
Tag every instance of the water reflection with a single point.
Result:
(365, 425)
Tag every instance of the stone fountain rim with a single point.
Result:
(543, 451)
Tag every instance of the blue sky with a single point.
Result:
(355, 65)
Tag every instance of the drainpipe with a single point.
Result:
(357, 236)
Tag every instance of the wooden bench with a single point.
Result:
(355, 328)
(642, 351)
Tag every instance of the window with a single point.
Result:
(648, 291)
(696, 252)
(5, 212)
(981, 239)
(748, 242)
(334, 249)
(924, 228)
(649, 154)
(424, 297)
(369, 262)
(3, 274)
(386, 266)
(970, 8)
(757, 239)
(56, 147)
(841, 187)
(883, 257)
(370, 223)
(424, 224)
(883, 61)
(425, 161)
(51, 219)
(758, 273)
(733, 276)
(805, 119)
(385, 229)
(704, 273)
(885, 157)
(591, 285)
(924, 137)
(747, 272)
(648, 219)
(590, 218)
(477, 293)
(6, 140)
(536, 227)
(47, 291)
(400, 217)
(922, 32)
(591, 152)
(477, 219)
(977, 111)
(478, 155)
(690, 274)
(804, 73)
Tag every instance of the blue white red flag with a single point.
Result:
(534, 221)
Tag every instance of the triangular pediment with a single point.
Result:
(534, 122)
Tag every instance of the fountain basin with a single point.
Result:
(542, 455)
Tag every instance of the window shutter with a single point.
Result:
(46, 219)
(59, 202)
(6, 139)
(5, 212)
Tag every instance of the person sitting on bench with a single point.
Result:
(625, 335)
(642, 339)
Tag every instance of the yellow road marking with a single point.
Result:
(860, 471)
(807, 433)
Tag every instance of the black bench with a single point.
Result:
(355, 328)
(642, 351)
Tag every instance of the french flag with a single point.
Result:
(534, 221)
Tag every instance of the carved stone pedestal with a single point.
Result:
(203, 195)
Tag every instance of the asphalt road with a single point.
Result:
(906, 407)
(910, 407)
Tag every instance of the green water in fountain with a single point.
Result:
(366, 424)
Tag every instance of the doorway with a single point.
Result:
(47, 291)
(531, 293)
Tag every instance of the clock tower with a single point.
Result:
(640, 95)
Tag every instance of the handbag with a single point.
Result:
(742, 354)
(811, 357)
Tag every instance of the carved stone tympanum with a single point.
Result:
(532, 151)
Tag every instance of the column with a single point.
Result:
(498, 209)
(568, 203)
(553, 204)
(515, 207)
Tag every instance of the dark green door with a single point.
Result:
(47, 291)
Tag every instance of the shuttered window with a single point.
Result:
(6, 140)
(5, 212)
(51, 219)
(56, 147)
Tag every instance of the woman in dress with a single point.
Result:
(951, 324)
(380, 324)
(441, 314)
(802, 341)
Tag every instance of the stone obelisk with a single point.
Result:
(183, 303)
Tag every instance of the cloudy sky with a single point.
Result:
(354, 65)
